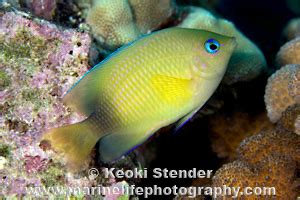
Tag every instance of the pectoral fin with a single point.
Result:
(172, 89)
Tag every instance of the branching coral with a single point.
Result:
(278, 141)
(149, 15)
(227, 132)
(112, 23)
(289, 53)
(282, 91)
(247, 61)
(115, 23)
(274, 171)
(290, 119)
(271, 158)
(268, 159)
(292, 29)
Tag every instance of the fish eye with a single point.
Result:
(212, 46)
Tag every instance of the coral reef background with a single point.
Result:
(248, 132)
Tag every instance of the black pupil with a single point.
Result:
(213, 47)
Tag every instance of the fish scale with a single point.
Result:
(155, 81)
(146, 90)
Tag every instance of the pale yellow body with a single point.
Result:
(150, 84)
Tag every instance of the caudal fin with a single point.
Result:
(74, 141)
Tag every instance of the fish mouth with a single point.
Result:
(210, 76)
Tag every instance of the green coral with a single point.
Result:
(23, 45)
(34, 96)
(53, 175)
(5, 150)
(123, 197)
(30, 95)
(23, 48)
(4, 80)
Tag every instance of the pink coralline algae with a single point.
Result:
(42, 8)
(39, 62)
(35, 164)
(117, 195)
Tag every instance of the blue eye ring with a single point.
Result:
(212, 46)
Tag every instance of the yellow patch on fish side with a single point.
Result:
(172, 90)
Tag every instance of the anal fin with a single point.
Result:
(115, 145)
